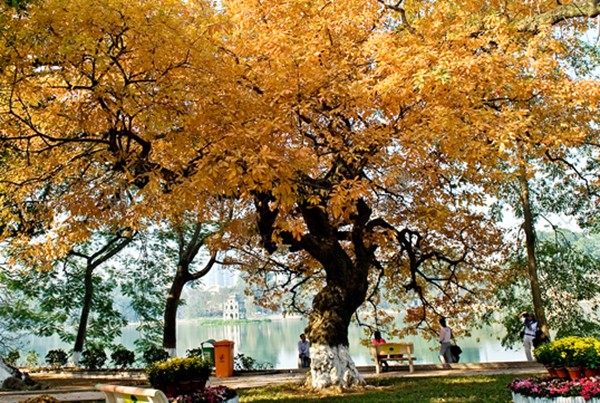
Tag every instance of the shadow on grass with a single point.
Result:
(455, 389)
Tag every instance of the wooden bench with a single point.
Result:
(393, 352)
(130, 394)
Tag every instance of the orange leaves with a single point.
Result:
(343, 197)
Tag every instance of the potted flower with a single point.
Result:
(591, 359)
(546, 355)
(576, 349)
(199, 371)
(161, 377)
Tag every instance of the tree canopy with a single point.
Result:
(365, 137)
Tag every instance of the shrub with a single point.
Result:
(57, 358)
(12, 357)
(122, 358)
(242, 362)
(155, 354)
(93, 358)
(194, 352)
(178, 369)
(32, 359)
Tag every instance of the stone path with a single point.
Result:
(85, 394)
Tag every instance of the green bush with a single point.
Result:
(178, 369)
(33, 358)
(12, 357)
(155, 354)
(57, 358)
(194, 352)
(122, 357)
(93, 358)
(242, 362)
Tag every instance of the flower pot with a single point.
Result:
(574, 372)
(589, 372)
(197, 384)
(170, 389)
(183, 386)
(551, 371)
(561, 372)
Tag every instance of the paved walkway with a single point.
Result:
(85, 394)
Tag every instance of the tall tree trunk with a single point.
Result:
(85, 313)
(112, 247)
(188, 250)
(530, 241)
(170, 316)
(328, 324)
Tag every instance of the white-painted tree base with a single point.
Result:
(5, 372)
(332, 366)
(76, 358)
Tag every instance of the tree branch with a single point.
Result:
(585, 8)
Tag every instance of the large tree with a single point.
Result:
(364, 136)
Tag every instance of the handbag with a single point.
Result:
(456, 351)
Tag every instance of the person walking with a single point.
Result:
(304, 351)
(445, 343)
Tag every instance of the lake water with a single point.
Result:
(276, 342)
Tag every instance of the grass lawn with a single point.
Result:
(488, 388)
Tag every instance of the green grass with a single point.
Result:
(455, 389)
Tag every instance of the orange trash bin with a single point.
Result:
(223, 358)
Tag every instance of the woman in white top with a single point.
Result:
(445, 343)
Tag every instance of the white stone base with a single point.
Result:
(76, 358)
(332, 366)
(5, 371)
(518, 398)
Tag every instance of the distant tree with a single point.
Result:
(190, 238)
(570, 285)
(72, 295)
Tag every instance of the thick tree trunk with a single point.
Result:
(528, 226)
(170, 316)
(327, 330)
(85, 313)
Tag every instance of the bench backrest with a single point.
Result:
(127, 394)
(393, 348)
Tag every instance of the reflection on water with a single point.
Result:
(276, 342)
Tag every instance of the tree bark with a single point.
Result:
(112, 247)
(85, 313)
(187, 253)
(530, 241)
(171, 305)
(327, 330)
(345, 291)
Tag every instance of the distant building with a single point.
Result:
(234, 309)
(221, 277)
